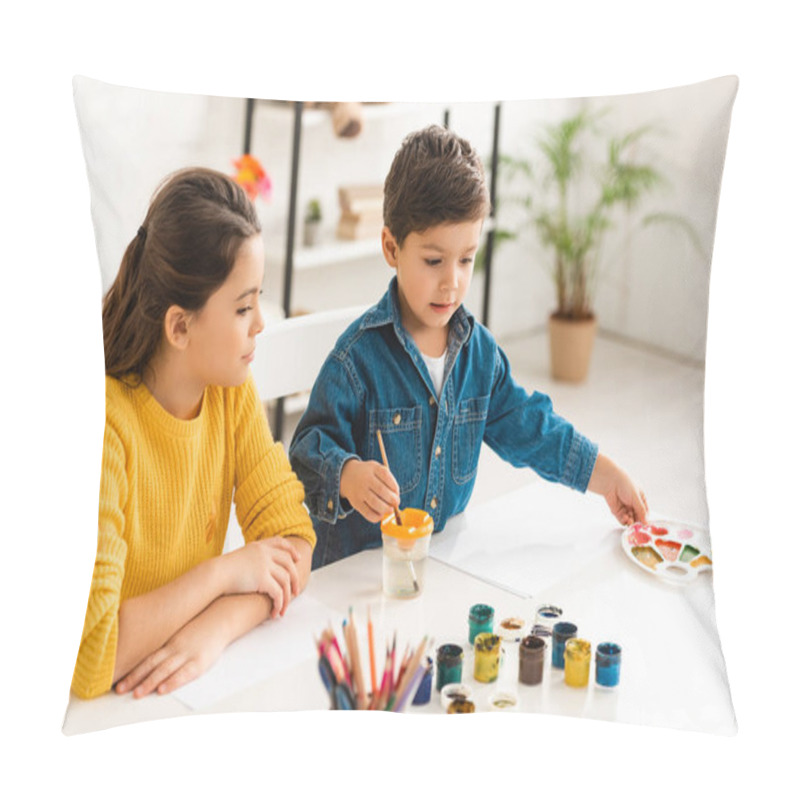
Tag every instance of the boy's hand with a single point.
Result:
(266, 566)
(370, 488)
(625, 499)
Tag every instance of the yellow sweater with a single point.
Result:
(165, 499)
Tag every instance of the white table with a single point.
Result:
(672, 670)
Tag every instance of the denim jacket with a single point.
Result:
(375, 379)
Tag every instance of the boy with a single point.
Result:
(419, 368)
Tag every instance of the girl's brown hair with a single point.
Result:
(436, 177)
(182, 253)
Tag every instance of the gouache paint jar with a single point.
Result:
(531, 660)
(607, 663)
(577, 661)
(449, 663)
(562, 631)
(487, 657)
(481, 620)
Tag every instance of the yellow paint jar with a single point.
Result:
(577, 661)
(487, 657)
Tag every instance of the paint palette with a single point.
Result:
(670, 550)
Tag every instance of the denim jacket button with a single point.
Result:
(396, 419)
(434, 503)
(330, 505)
(438, 451)
(431, 400)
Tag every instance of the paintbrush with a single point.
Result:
(397, 518)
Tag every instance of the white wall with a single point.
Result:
(653, 288)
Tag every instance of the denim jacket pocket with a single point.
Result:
(468, 427)
(401, 430)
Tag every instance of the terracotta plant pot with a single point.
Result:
(571, 343)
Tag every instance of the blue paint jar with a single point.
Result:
(562, 631)
(607, 663)
(423, 694)
(449, 663)
(481, 618)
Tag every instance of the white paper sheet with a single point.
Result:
(271, 647)
(563, 529)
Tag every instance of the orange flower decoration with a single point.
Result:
(252, 177)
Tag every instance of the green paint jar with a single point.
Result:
(449, 663)
(481, 620)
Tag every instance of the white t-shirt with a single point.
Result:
(436, 369)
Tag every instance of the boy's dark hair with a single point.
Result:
(436, 177)
(183, 252)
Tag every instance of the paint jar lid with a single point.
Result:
(577, 649)
(481, 613)
(487, 642)
(564, 630)
(532, 647)
(547, 614)
(454, 691)
(416, 524)
(608, 653)
(449, 655)
(511, 629)
(504, 701)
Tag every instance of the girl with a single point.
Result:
(185, 430)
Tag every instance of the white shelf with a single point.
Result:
(328, 251)
(279, 112)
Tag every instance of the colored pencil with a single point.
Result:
(380, 700)
(361, 694)
(398, 519)
(410, 671)
(371, 652)
(411, 688)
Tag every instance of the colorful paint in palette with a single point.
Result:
(670, 550)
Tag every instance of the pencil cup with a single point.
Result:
(405, 552)
(577, 660)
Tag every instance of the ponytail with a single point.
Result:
(183, 252)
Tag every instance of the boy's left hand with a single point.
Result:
(625, 499)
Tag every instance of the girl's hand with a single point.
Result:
(625, 499)
(266, 566)
(186, 656)
(370, 488)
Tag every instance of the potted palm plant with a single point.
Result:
(576, 202)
